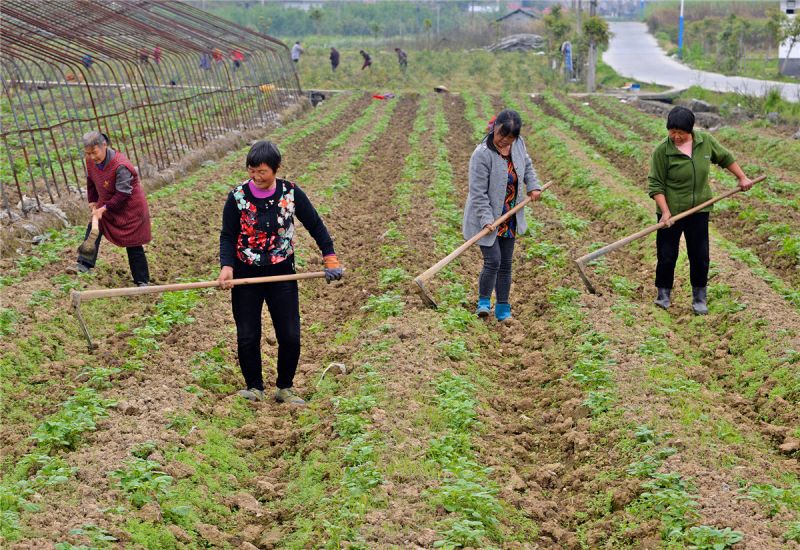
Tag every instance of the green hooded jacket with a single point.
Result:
(684, 180)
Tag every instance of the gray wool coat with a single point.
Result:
(488, 177)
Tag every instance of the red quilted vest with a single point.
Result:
(131, 225)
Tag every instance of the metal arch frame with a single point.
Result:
(130, 101)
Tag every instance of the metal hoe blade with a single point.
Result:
(581, 271)
(426, 297)
(76, 306)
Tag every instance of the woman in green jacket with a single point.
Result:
(678, 181)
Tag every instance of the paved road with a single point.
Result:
(634, 52)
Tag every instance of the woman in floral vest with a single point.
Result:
(257, 240)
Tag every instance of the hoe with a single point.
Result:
(581, 262)
(85, 296)
(87, 247)
(426, 276)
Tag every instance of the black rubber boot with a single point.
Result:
(663, 298)
(699, 300)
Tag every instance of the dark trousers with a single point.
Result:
(137, 260)
(695, 230)
(284, 308)
(496, 273)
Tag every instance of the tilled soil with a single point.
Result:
(629, 377)
(760, 298)
(555, 464)
(181, 249)
(745, 231)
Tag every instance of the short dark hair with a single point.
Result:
(680, 118)
(264, 152)
(508, 122)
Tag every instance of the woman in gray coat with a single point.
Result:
(500, 173)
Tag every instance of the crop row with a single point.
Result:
(667, 497)
(780, 286)
(78, 414)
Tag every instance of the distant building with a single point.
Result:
(300, 4)
(620, 8)
(790, 8)
(517, 21)
(484, 8)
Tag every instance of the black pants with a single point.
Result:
(496, 273)
(695, 229)
(137, 260)
(284, 307)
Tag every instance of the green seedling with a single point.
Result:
(94, 533)
(711, 538)
(458, 319)
(774, 499)
(793, 533)
(76, 416)
(456, 349)
(385, 305)
(392, 276)
(142, 480)
(8, 318)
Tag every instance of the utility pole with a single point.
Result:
(680, 33)
(578, 16)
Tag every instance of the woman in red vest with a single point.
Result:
(117, 199)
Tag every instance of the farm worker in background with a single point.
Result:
(238, 58)
(334, 59)
(297, 51)
(490, 124)
(367, 59)
(566, 51)
(205, 61)
(257, 240)
(217, 55)
(116, 197)
(157, 54)
(678, 181)
(144, 55)
(500, 173)
(87, 61)
(402, 59)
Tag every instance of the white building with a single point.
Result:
(790, 8)
(304, 5)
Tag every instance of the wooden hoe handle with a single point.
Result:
(583, 260)
(78, 297)
(438, 266)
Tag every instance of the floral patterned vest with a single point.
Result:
(267, 225)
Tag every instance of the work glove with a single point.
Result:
(333, 269)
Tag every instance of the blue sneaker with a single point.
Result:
(484, 307)
(502, 311)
